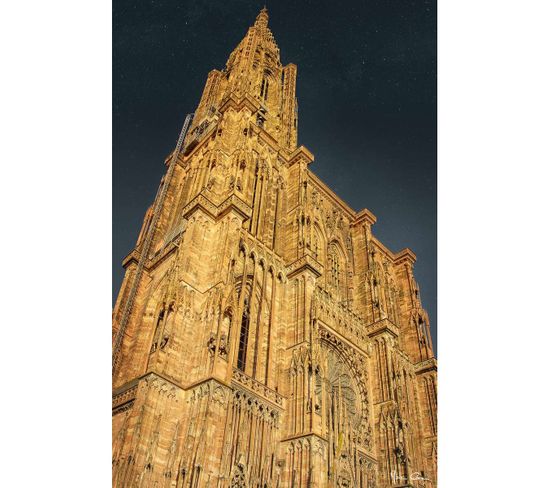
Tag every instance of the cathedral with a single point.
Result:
(263, 336)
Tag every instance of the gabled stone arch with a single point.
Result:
(229, 302)
(301, 358)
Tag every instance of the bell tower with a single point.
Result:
(254, 71)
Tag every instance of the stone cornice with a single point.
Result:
(124, 396)
(305, 263)
(188, 152)
(389, 254)
(382, 326)
(161, 255)
(426, 366)
(233, 202)
(338, 307)
(202, 203)
(238, 103)
(255, 387)
(340, 320)
(132, 257)
(266, 137)
(159, 376)
(246, 101)
(299, 155)
(364, 215)
(331, 195)
(343, 336)
(206, 380)
(405, 256)
(303, 436)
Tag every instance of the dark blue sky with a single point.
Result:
(366, 94)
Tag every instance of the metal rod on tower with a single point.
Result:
(145, 248)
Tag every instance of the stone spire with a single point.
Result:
(262, 19)
(254, 70)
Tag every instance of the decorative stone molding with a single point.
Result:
(162, 254)
(364, 215)
(233, 202)
(133, 257)
(124, 397)
(384, 325)
(426, 366)
(305, 263)
(256, 387)
(257, 406)
(339, 317)
(200, 202)
(252, 246)
(218, 392)
(405, 256)
(301, 155)
(314, 443)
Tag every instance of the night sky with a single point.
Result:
(366, 94)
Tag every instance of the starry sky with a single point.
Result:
(367, 105)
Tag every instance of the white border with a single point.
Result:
(56, 242)
(492, 242)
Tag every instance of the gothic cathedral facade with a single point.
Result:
(263, 336)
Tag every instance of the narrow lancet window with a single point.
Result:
(243, 337)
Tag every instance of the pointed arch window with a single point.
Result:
(334, 268)
(243, 336)
(264, 89)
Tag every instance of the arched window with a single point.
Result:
(335, 276)
(243, 336)
(336, 273)
(334, 263)
(264, 88)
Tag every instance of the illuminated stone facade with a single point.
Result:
(270, 340)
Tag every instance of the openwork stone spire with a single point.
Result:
(254, 71)
(262, 19)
